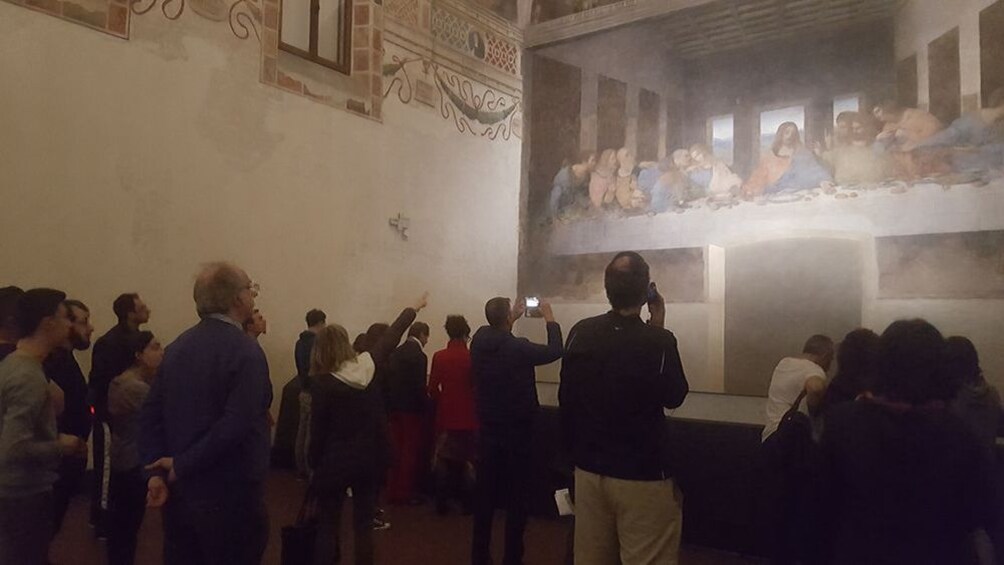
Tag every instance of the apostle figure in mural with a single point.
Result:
(722, 184)
(787, 167)
(648, 174)
(857, 161)
(903, 130)
(570, 189)
(977, 138)
(626, 192)
(666, 183)
(843, 129)
(602, 181)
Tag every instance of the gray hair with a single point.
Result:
(217, 287)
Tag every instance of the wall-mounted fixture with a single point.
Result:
(401, 223)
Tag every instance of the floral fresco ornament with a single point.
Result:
(244, 16)
(480, 110)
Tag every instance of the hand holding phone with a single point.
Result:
(533, 307)
(656, 307)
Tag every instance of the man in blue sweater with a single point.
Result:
(505, 390)
(205, 430)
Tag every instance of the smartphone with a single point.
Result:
(533, 307)
(653, 293)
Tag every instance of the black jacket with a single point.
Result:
(301, 354)
(61, 368)
(111, 357)
(407, 378)
(618, 375)
(208, 409)
(349, 439)
(902, 486)
(505, 383)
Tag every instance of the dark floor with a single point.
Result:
(417, 536)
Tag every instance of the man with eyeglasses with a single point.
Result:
(205, 436)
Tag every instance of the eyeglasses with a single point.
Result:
(255, 288)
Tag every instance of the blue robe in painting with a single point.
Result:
(805, 172)
(985, 141)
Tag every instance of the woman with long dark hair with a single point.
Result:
(857, 358)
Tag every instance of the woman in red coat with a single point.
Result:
(451, 387)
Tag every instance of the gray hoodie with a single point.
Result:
(29, 450)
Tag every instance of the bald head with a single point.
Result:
(626, 281)
(224, 288)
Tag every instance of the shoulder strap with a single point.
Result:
(797, 404)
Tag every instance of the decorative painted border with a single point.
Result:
(473, 108)
(244, 16)
(480, 93)
(113, 19)
(476, 35)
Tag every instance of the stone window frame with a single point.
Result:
(115, 21)
(366, 59)
(344, 66)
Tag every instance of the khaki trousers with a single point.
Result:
(626, 522)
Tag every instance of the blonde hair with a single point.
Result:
(332, 349)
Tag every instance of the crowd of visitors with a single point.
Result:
(888, 461)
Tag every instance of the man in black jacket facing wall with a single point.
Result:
(505, 392)
(618, 375)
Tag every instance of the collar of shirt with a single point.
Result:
(416, 340)
(621, 320)
(226, 319)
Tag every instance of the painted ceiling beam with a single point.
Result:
(602, 18)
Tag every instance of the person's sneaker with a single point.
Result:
(379, 524)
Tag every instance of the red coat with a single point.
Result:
(451, 386)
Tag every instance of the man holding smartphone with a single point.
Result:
(505, 388)
(618, 375)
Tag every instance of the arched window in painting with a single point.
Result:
(721, 131)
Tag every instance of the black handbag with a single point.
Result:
(298, 540)
(795, 447)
